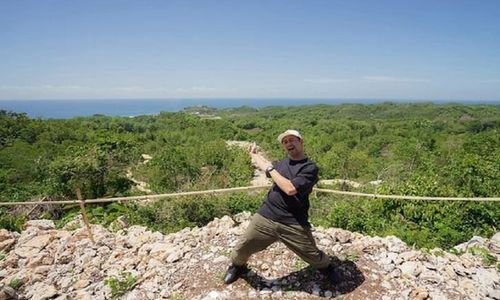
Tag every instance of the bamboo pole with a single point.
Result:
(84, 214)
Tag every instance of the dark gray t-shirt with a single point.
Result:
(280, 207)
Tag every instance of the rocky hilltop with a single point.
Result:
(134, 263)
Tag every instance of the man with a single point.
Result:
(284, 214)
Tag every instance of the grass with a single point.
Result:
(121, 285)
(487, 258)
(15, 283)
(352, 256)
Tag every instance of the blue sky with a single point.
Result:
(421, 50)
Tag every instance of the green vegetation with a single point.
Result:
(413, 149)
(488, 259)
(15, 283)
(120, 285)
(2, 255)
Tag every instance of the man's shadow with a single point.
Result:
(309, 280)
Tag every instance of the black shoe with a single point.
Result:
(331, 274)
(234, 272)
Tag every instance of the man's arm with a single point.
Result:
(283, 183)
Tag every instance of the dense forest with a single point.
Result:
(420, 149)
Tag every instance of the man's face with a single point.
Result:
(293, 145)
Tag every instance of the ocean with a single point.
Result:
(63, 109)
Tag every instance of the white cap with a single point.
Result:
(289, 132)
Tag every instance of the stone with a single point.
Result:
(40, 224)
(394, 244)
(7, 292)
(419, 293)
(174, 257)
(41, 291)
(493, 293)
(213, 295)
(408, 256)
(411, 268)
(476, 241)
(459, 268)
(221, 259)
(80, 284)
(494, 243)
(325, 242)
(486, 277)
(33, 246)
(342, 236)
(159, 248)
(436, 295)
(449, 271)
(467, 286)
(430, 276)
(6, 235)
(5, 245)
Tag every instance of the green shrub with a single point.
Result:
(12, 222)
(121, 285)
(15, 283)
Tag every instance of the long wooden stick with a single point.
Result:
(84, 214)
(249, 188)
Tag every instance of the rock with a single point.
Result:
(436, 295)
(411, 268)
(80, 284)
(7, 293)
(41, 224)
(7, 239)
(221, 259)
(474, 241)
(41, 291)
(467, 286)
(174, 256)
(494, 243)
(341, 235)
(493, 293)
(459, 269)
(394, 244)
(67, 265)
(419, 293)
(6, 235)
(33, 246)
(242, 217)
(5, 245)
(429, 276)
(407, 256)
(486, 277)
(159, 248)
(213, 295)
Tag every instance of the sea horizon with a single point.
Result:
(70, 108)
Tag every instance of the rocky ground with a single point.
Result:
(46, 263)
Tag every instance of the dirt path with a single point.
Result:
(259, 175)
(140, 185)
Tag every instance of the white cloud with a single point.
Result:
(392, 79)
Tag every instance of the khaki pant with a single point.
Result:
(262, 232)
